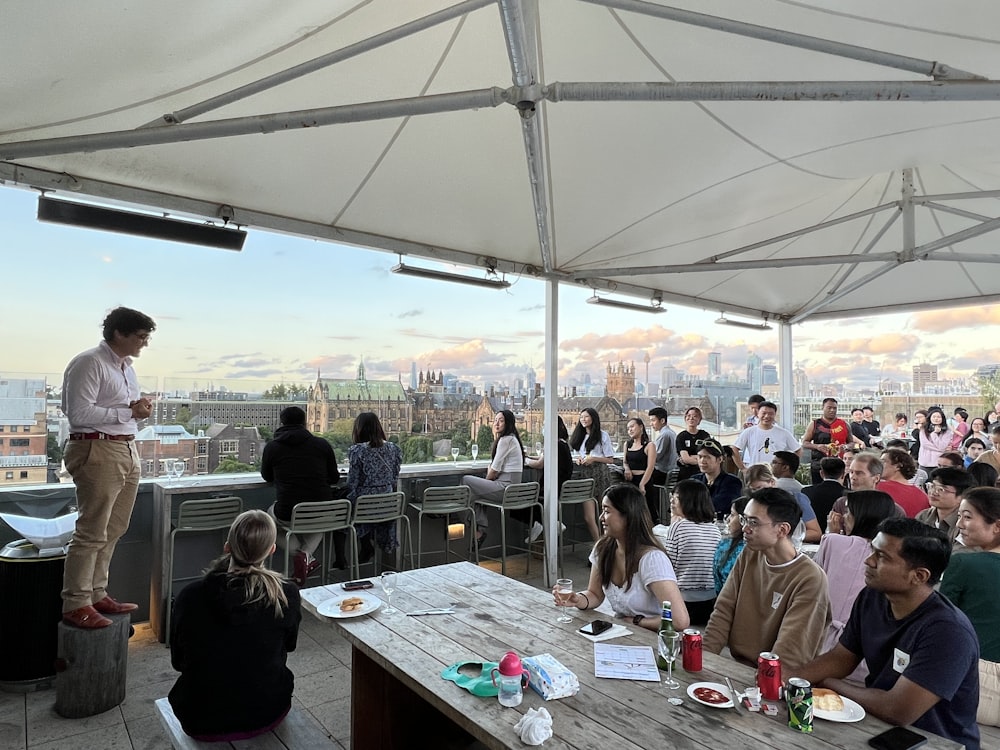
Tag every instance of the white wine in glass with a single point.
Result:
(475, 451)
(538, 449)
(669, 644)
(564, 591)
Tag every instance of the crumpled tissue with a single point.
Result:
(535, 726)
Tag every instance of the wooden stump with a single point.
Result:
(90, 677)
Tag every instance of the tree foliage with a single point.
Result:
(417, 449)
(53, 450)
(340, 436)
(484, 439)
(989, 390)
(285, 392)
(232, 465)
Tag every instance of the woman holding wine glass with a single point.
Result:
(629, 566)
(596, 452)
(506, 467)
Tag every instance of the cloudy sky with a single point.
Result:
(285, 307)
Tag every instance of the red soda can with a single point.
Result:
(769, 675)
(691, 643)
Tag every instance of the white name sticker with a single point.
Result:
(900, 660)
(776, 598)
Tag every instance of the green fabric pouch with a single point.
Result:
(474, 676)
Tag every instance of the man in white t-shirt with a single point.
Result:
(758, 444)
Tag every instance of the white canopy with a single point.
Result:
(620, 144)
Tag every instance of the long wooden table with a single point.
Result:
(399, 699)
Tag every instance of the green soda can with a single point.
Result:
(799, 697)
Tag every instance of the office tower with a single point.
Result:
(922, 375)
(714, 365)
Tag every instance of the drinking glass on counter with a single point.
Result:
(564, 592)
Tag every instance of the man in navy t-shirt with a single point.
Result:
(922, 652)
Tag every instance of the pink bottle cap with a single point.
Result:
(510, 665)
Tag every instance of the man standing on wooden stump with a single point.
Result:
(102, 401)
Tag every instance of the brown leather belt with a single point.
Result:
(98, 436)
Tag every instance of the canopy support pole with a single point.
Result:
(550, 432)
(785, 379)
(519, 18)
(788, 38)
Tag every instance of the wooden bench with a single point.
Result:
(297, 732)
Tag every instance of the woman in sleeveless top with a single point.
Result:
(640, 460)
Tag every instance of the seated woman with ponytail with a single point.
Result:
(230, 634)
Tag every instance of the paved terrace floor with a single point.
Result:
(321, 663)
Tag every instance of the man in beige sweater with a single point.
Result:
(776, 598)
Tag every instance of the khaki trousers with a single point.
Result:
(106, 475)
(989, 693)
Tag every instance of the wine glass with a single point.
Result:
(475, 451)
(168, 468)
(388, 582)
(454, 454)
(538, 449)
(564, 590)
(669, 643)
(179, 467)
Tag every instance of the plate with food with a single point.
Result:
(828, 705)
(349, 605)
(712, 694)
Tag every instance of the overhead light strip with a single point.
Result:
(430, 273)
(724, 321)
(652, 307)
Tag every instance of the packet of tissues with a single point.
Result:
(549, 678)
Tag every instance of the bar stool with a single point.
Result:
(574, 492)
(515, 497)
(320, 517)
(443, 500)
(381, 508)
(196, 516)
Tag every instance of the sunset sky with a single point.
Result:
(286, 306)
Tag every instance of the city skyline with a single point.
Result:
(288, 307)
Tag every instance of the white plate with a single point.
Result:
(714, 686)
(852, 712)
(331, 607)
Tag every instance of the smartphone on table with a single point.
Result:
(356, 585)
(596, 627)
(897, 738)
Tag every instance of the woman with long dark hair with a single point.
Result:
(638, 465)
(374, 470)
(843, 556)
(629, 566)
(692, 539)
(935, 437)
(729, 548)
(596, 452)
(230, 634)
(506, 468)
(564, 472)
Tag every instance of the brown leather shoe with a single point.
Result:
(87, 618)
(108, 606)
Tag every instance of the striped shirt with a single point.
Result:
(691, 548)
